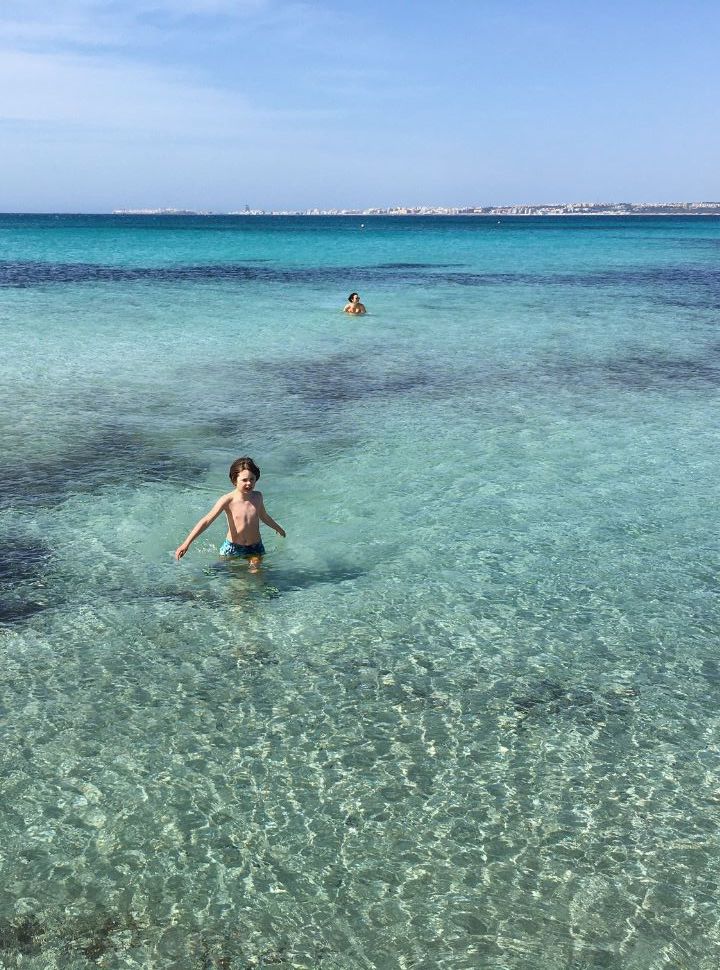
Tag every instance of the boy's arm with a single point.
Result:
(268, 519)
(202, 525)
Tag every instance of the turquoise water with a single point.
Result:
(467, 714)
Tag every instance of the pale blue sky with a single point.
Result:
(212, 104)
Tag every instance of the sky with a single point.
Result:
(294, 104)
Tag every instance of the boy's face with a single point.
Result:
(245, 482)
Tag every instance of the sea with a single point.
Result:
(466, 716)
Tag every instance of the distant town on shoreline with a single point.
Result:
(552, 209)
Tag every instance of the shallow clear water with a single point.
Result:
(467, 714)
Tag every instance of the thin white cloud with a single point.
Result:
(91, 66)
(57, 24)
(235, 8)
(103, 94)
(45, 29)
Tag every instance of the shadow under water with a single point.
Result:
(23, 562)
(270, 580)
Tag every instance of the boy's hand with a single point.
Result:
(281, 532)
(180, 551)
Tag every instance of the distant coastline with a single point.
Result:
(552, 209)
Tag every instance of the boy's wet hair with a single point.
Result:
(243, 464)
(352, 295)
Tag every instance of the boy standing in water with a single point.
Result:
(245, 510)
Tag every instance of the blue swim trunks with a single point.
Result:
(233, 549)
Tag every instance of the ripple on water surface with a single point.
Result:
(466, 714)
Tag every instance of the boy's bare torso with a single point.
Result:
(243, 517)
(244, 510)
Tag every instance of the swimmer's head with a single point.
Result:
(241, 465)
(353, 297)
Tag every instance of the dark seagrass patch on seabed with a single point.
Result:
(694, 286)
(638, 370)
(400, 265)
(21, 275)
(108, 936)
(547, 700)
(670, 285)
(30, 936)
(23, 560)
(24, 274)
(711, 672)
(342, 379)
(648, 371)
(23, 935)
(111, 456)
